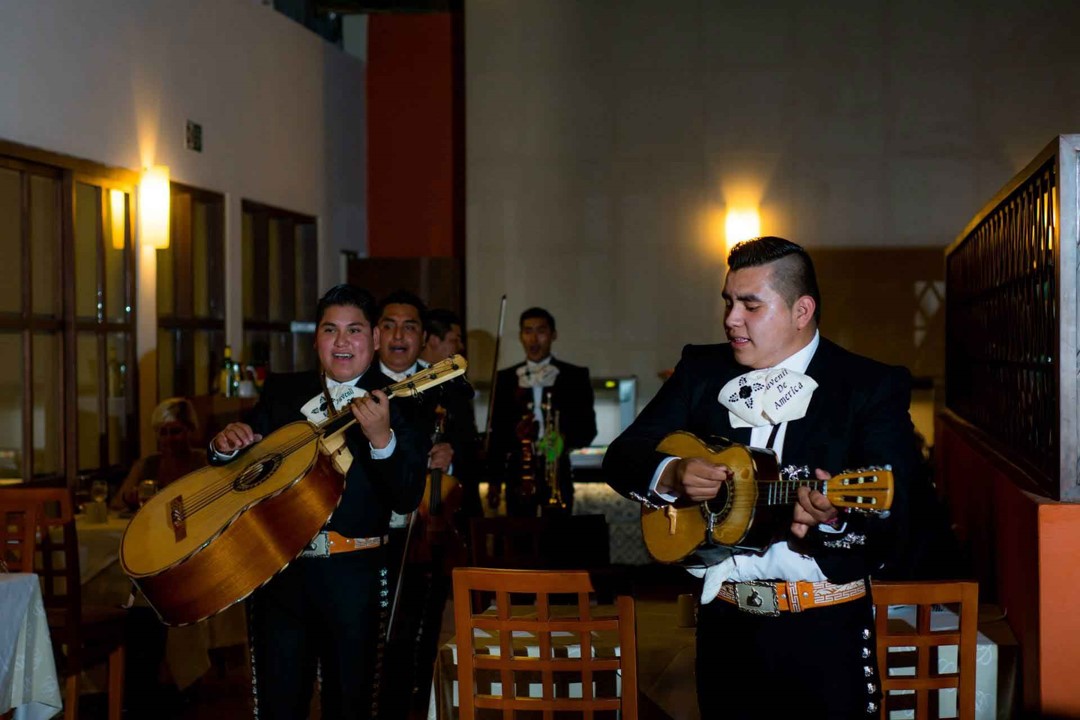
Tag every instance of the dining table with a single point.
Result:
(187, 648)
(28, 682)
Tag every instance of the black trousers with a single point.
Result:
(819, 664)
(318, 613)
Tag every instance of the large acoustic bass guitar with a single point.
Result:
(209, 539)
(741, 516)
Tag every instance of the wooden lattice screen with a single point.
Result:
(1011, 310)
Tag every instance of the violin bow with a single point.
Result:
(494, 376)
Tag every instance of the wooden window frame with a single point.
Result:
(182, 318)
(261, 216)
(69, 172)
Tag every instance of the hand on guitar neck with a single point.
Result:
(699, 480)
(812, 508)
(371, 411)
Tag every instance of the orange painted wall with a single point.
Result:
(1025, 552)
(1059, 590)
(412, 120)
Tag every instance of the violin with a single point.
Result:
(443, 496)
(526, 431)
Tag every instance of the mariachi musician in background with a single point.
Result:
(532, 400)
(432, 540)
(323, 610)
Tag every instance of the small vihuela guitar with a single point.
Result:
(212, 537)
(674, 532)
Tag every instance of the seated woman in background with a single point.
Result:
(176, 428)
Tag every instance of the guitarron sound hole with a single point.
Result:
(257, 472)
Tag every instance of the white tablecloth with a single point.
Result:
(986, 664)
(187, 648)
(28, 680)
(99, 544)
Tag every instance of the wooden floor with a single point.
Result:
(225, 691)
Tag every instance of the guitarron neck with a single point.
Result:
(785, 492)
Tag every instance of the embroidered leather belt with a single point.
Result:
(763, 597)
(328, 543)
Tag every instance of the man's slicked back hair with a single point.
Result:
(438, 322)
(345, 294)
(793, 270)
(403, 297)
(537, 312)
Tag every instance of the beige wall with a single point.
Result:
(604, 138)
(114, 82)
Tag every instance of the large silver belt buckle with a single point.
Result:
(318, 547)
(757, 598)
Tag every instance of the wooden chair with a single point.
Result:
(18, 524)
(909, 659)
(82, 636)
(533, 644)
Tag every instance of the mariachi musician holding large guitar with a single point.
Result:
(318, 442)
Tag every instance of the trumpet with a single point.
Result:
(551, 447)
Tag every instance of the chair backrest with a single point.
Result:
(545, 543)
(583, 657)
(18, 525)
(927, 645)
(57, 561)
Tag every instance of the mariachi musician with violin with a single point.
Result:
(323, 610)
(431, 540)
(535, 400)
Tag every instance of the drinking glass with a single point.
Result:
(99, 491)
(147, 488)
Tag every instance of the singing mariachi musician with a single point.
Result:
(797, 618)
(523, 394)
(421, 548)
(323, 611)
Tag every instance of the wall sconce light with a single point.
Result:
(741, 225)
(154, 208)
(118, 210)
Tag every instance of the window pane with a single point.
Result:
(281, 351)
(257, 348)
(306, 255)
(166, 350)
(304, 357)
(209, 351)
(116, 302)
(48, 449)
(215, 259)
(248, 246)
(166, 303)
(88, 387)
(117, 397)
(199, 279)
(11, 239)
(273, 264)
(87, 240)
(11, 400)
(45, 243)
